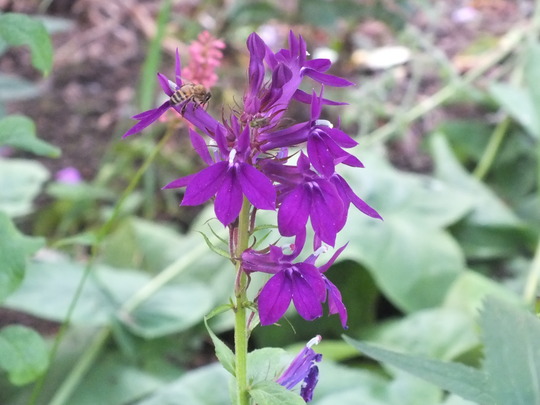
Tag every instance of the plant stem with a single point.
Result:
(240, 326)
(492, 148)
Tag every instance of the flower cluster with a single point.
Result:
(205, 55)
(251, 154)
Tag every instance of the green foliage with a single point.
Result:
(23, 354)
(20, 132)
(19, 29)
(14, 250)
(271, 393)
(511, 364)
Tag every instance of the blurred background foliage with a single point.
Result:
(103, 275)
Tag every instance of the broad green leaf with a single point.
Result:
(271, 393)
(459, 379)
(114, 381)
(223, 353)
(267, 363)
(14, 250)
(49, 287)
(512, 353)
(469, 291)
(518, 103)
(15, 88)
(438, 333)
(488, 209)
(203, 386)
(23, 354)
(20, 132)
(19, 29)
(20, 182)
(410, 240)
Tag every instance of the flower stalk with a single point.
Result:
(240, 326)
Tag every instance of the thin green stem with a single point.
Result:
(492, 148)
(531, 286)
(70, 383)
(240, 326)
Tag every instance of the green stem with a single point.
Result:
(532, 280)
(492, 148)
(240, 326)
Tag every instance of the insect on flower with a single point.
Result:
(197, 93)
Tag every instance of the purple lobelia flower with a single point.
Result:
(229, 178)
(303, 369)
(303, 283)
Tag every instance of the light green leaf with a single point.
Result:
(223, 353)
(23, 354)
(20, 182)
(20, 132)
(271, 393)
(532, 78)
(49, 287)
(114, 381)
(488, 209)
(464, 381)
(512, 353)
(410, 239)
(455, 333)
(267, 363)
(14, 250)
(19, 29)
(203, 386)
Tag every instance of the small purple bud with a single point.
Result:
(68, 175)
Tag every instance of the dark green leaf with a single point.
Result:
(512, 353)
(20, 132)
(459, 379)
(14, 250)
(271, 393)
(19, 29)
(23, 354)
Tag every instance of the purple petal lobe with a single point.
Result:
(164, 83)
(147, 118)
(307, 302)
(329, 80)
(228, 199)
(181, 182)
(294, 212)
(275, 298)
(335, 303)
(319, 156)
(200, 146)
(205, 184)
(257, 187)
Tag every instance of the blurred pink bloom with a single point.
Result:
(464, 15)
(68, 175)
(204, 57)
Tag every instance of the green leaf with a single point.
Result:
(532, 78)
(49, 287)
(410, 239)
(19, 29)
(214, 248)
(512, 353)
(517, 103)
(20, 182)
(459, 379)
(114, 381)
(271, 393)
(14, 250)
(20, 132)
(203, 386)
(23, 354)
(223, 353)
(267, 363)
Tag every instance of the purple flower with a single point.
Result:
(303, 369)
(68, 175)
(302, 283)
(229, 179)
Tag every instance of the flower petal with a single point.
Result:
(307, 303)
(181, 182)
(320, 156)
(294, 212)
(146, 118)
(256, 187)
(164, 83)
(228, 199)
(329, 80)
(275, 298)
(205, 184)
(326, 212)
(200, 146)
(335, 303)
